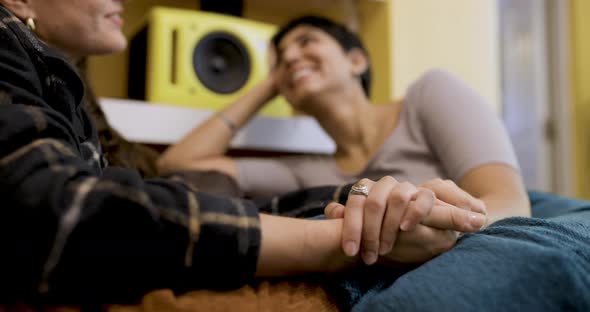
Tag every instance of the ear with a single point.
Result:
(23, 9)
(358, 59)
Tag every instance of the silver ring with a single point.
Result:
(359, 189)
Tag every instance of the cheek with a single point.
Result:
(337, 74)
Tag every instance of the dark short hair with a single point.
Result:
(346, 38)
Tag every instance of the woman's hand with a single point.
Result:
(449, 192)
(204, 147)
(420, 245)
(437, 233)
(390, 206)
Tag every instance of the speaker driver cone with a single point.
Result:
(221, 62)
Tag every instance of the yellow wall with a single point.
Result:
(376, 29)
(458, 35)
(580, 68)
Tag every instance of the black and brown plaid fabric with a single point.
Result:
(74, 230)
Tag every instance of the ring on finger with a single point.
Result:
(359, 189)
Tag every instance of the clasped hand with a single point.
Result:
(405, 223)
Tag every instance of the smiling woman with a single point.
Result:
(310, 47)
(323, 70)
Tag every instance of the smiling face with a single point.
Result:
(310, 62)
(80, 27)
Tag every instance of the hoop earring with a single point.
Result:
(30, 22)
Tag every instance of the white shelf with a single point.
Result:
(152, 123)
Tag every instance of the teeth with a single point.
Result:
(300, 74)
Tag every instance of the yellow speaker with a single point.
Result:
(199, 59)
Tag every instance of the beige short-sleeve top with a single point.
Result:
(445, 129)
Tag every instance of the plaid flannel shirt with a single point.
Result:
(72, 229)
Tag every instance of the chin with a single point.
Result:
(114, 45)
(118, 42)
(303, 96)
(119, 47)
(300, 103)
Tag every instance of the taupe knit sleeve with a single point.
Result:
(462, 129)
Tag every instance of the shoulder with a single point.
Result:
(439, 91)
(436, 82)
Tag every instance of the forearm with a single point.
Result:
(501, 188)
(294, 246)
(507, 204)
(212, 137)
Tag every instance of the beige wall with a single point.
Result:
(458, 35)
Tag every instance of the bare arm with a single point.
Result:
(501, 188)
(294, 246)
(475, 151)
(205, 145)
(496, 187)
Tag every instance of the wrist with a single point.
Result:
(231, 125)
(296, 246)
(322, 244)
(269, 89)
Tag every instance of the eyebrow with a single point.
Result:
(298, 38)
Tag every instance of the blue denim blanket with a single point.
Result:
(524, 264)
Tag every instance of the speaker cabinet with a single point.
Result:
(199, 59)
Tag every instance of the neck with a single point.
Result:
(357, 126)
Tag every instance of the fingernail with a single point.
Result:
(369, 257)
(477, 220)
(350, 248)
(405, 226)
(384, 248)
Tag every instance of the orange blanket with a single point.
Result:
(264, 296)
